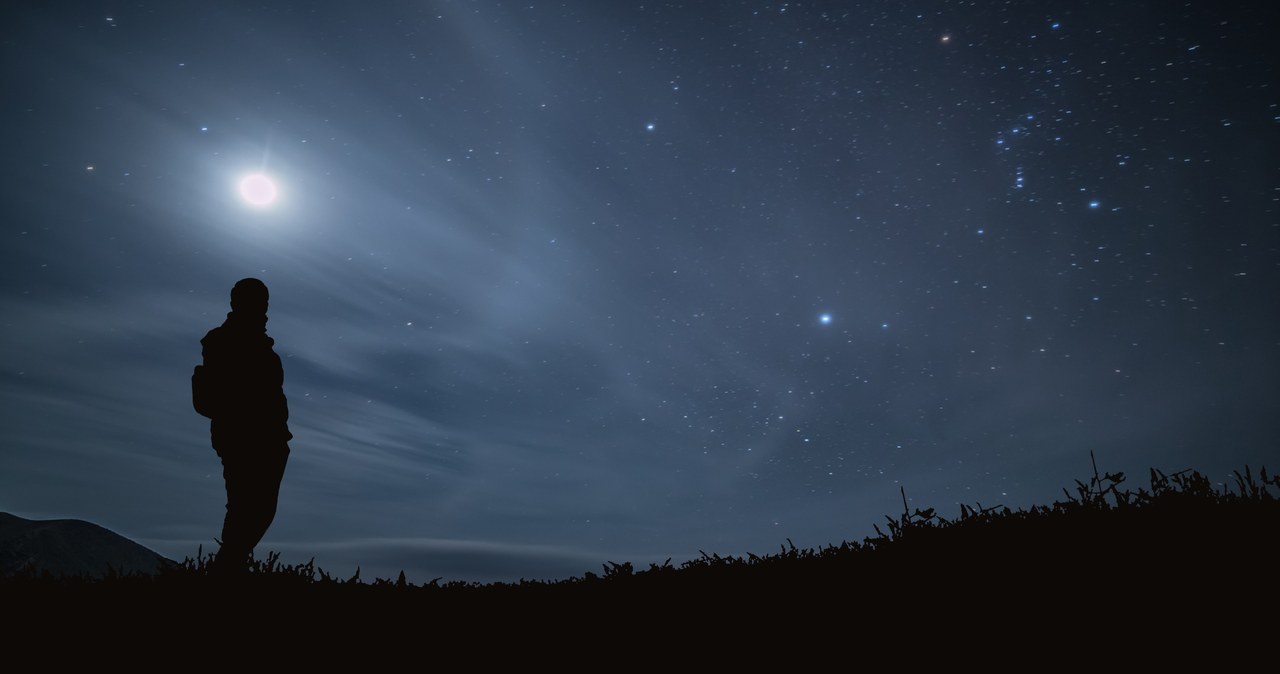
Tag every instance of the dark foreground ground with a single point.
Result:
(1177, 573)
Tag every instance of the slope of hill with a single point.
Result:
(1180, 573)
(68, 547)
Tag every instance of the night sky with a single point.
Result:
(563, 283)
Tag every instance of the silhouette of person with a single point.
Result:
(248, 425)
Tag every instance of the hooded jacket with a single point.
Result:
(248, 379)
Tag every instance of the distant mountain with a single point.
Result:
(70, 548)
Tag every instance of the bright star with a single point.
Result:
(824, 319)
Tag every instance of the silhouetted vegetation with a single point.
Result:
(1102, 555)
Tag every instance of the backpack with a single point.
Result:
(203, 395)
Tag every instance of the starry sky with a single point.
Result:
(557, 284)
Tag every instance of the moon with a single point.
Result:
(258, 190)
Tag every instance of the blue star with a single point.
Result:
(824, 319)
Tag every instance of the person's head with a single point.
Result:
(249, 296)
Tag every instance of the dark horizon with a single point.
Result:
(1143, 528)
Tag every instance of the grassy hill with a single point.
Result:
(1179, 564)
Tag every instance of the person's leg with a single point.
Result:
(263, 493)
(233, 555)
(253, 487)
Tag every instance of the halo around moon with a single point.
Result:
(258, 190)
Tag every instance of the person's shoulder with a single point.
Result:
(214, 336)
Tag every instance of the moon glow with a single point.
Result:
(258, 190)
